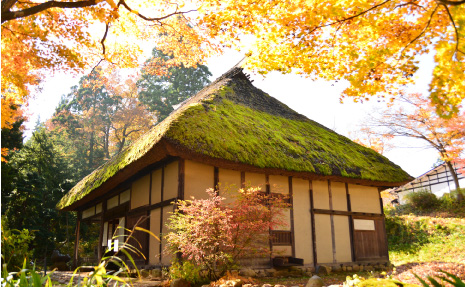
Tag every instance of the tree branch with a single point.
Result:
(423, 31)
(107, 26)
(348, 18)
(457, 38)
(451, 2)
(122, 2)
(8, 15)
(7, 4)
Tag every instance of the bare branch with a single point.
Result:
(423, 31)
(457, 38)
(122, 2)
(95, 67)
(348, 18)
(451, 2)
(8, 15)
(107, 26)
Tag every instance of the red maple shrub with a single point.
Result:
(214, 234)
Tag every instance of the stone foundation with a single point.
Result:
(294, 271)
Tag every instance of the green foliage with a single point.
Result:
(37, 178)
(425, 239)
(422, 200)
(450, 278)
(16, 249)
(25, 277)
(187, 271)
(100, 276)
(161, 93)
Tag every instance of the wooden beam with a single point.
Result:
(291, 198)
(341, 212)
(268, 192)
(331, 219)
(147, 244)
(312, 212)
(216, 178)
(386, 250)
(100, 238)
(351, 225)
(181, 171)
(146, 208)
(160, 249)
(76, 241)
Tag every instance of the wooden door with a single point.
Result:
(139, 239)
(370, 239)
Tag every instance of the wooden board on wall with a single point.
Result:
(139, 236)
(370, 244)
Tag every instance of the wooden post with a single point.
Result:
(76, 242)
(100, 238)
(331, 218)
(160, 247)
(386, 249)
(312, 212)
(351, 224)
(216, 179)
(291, 200)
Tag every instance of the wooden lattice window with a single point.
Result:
(281, 237)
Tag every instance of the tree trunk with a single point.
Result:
(456, 180)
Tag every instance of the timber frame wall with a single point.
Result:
(330, 212)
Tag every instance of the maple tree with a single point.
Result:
(370, 139)
(39, 38)
(213, 234)
(131, 118)
(418, 119)
(374, 45)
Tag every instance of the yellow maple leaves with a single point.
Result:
(373, 44)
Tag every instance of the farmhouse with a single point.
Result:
(438, 181)
(235, 134)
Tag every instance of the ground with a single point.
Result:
(402, 273)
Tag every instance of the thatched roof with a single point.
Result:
(234, 122)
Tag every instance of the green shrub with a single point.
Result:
(406, 235)
(187, 271)
(16, 247)
(25, 277)
(422, 200)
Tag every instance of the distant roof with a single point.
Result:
(233, 121)
(425, 177)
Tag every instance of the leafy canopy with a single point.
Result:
(374, 45)
(160, 92)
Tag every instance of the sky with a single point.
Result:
(317, 100)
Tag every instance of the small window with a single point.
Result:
(281, 237)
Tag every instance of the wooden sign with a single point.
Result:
(364, 224)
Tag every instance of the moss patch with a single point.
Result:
(224, 129)
(233, 120)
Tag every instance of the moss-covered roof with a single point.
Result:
(234, 121)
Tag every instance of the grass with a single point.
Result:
(426, 236)
(425, 239)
